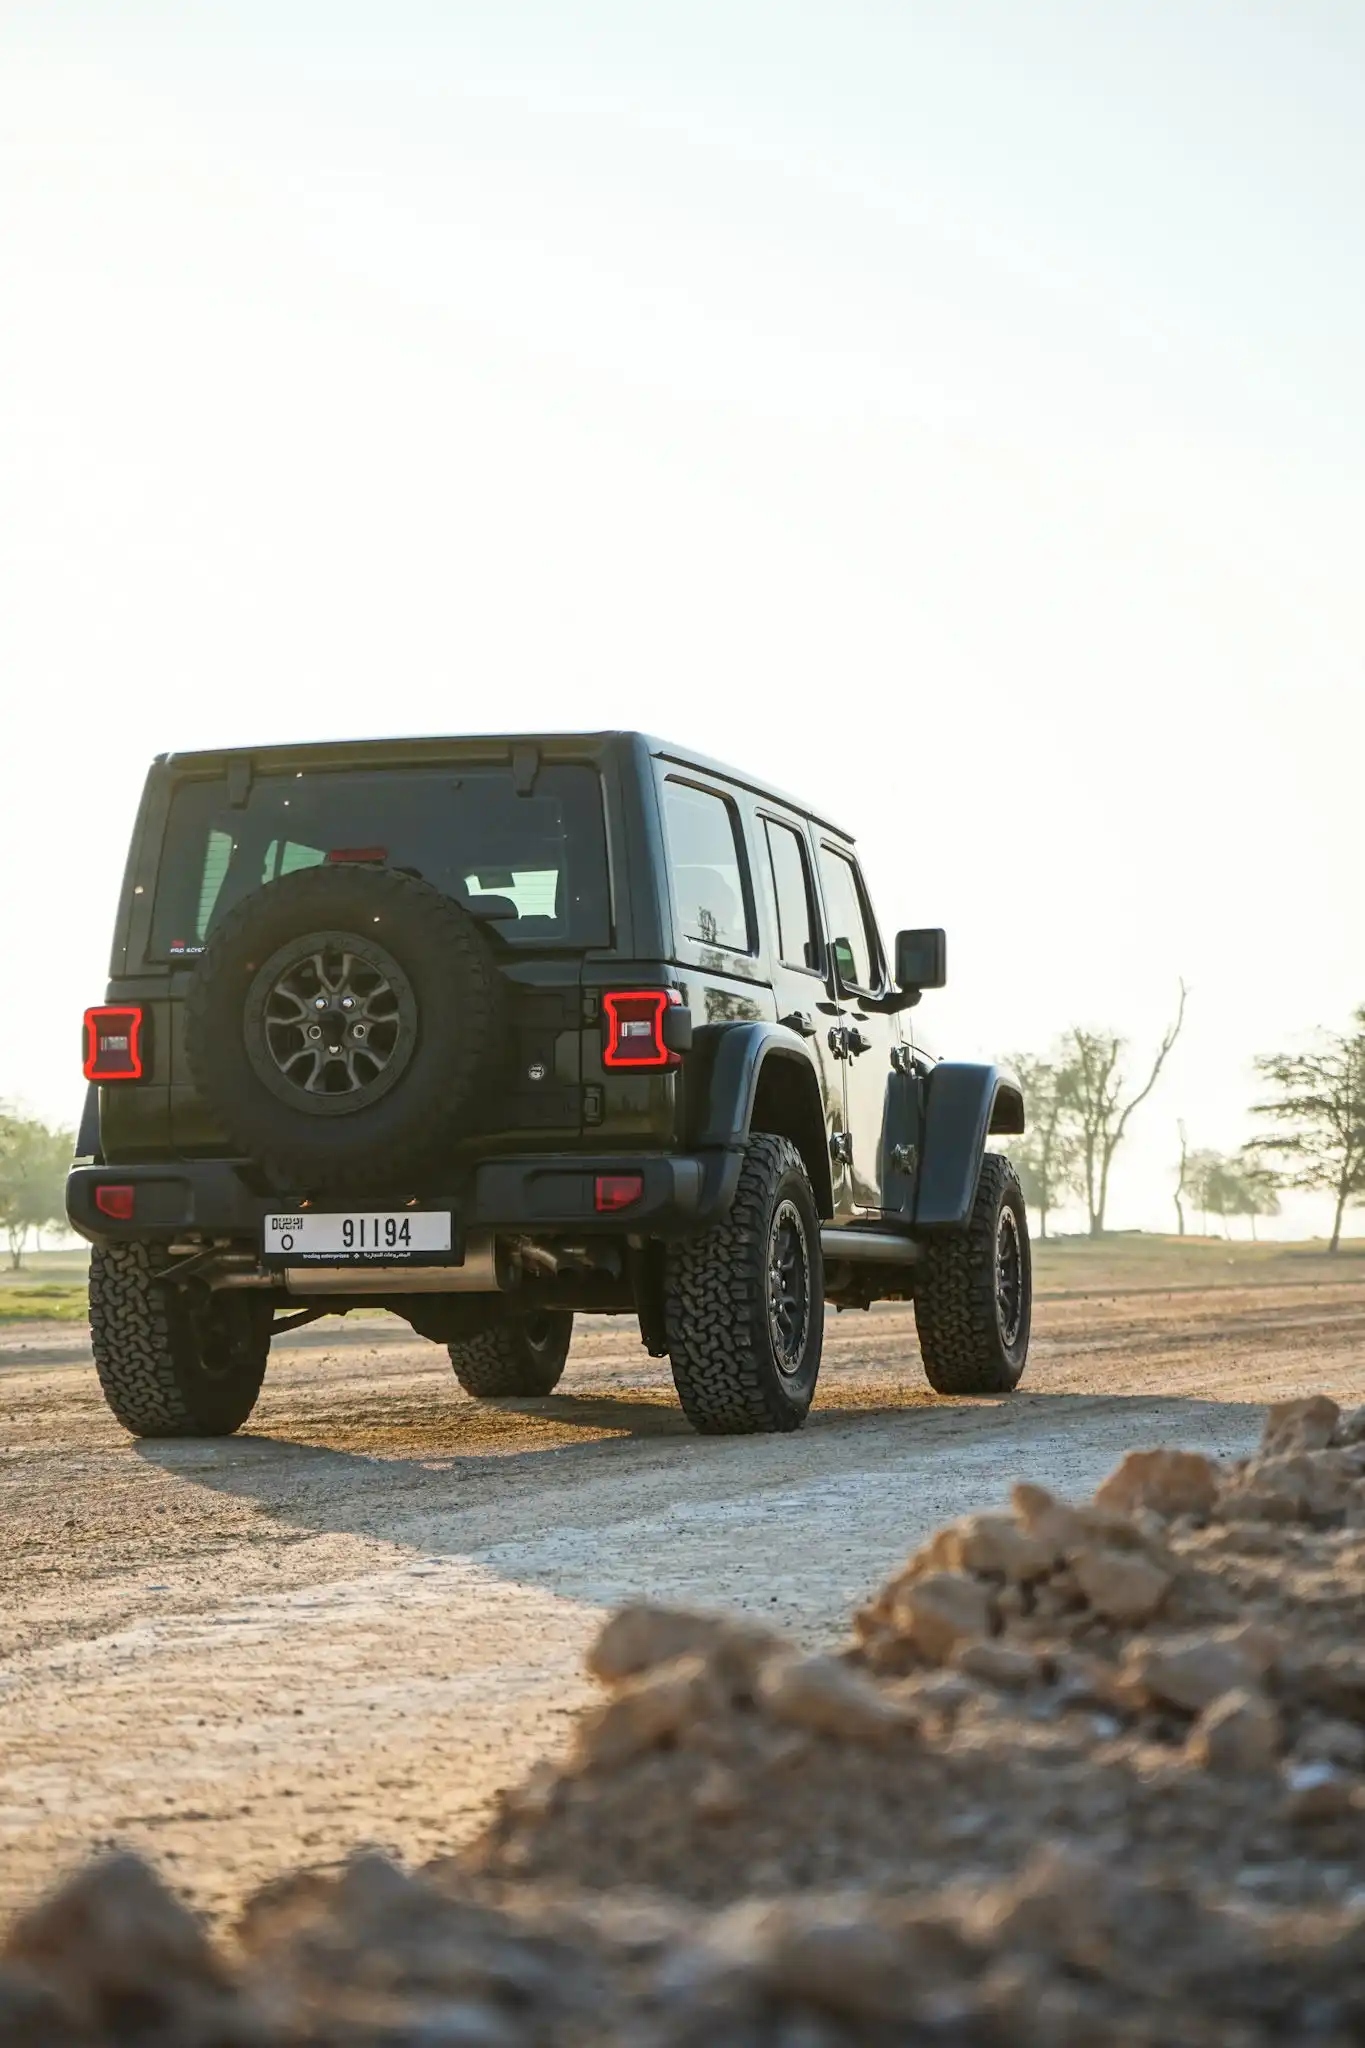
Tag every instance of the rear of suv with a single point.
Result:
(493, 1031)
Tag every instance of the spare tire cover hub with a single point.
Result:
(330, 1022)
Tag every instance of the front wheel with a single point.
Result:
(513, 1354)
(745, 1303)
(173, 1361)
(974, 1292)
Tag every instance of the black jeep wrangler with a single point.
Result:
(488, 1031)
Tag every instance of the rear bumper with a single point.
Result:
(541, 1195)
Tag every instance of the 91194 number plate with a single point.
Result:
(355, 1237)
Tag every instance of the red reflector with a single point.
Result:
(358, 854)
(618, 1191)
(115, 1202)
(113, 1043)
(634, 1021)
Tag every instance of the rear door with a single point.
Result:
(715, 924)
(865, 1042)
(525, 855)
(798, 957)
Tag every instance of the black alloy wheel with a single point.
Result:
(1010, 1282)
(330, 1022)
(788, 1287)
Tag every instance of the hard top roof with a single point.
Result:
(337, 753)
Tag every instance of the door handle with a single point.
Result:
(854, 1042)
(799, 1022)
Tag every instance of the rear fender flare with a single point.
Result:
(964, 1104)
(737, 1057)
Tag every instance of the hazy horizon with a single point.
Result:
(952, 414)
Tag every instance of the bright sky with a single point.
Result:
(952, 410)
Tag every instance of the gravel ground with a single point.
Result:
(362, 1618)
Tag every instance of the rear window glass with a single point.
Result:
(532, 867)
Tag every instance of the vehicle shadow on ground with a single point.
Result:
(420, 1479)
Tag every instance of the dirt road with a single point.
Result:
(361, 1618)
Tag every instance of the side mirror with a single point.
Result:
(921, 960)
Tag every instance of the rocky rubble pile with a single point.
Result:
(1086, 1773)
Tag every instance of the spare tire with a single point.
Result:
(342, 1024)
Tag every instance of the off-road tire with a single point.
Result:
(716, 1304)
(458, 997)
(171, 1364)
(968, 1344)
(514, 1355)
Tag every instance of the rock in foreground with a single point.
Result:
(1085, 1773)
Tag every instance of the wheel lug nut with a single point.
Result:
(319, 1002)
(348, 1002)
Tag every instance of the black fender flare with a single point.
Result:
(734, 1056)
(964, 1104)
(88, 1136)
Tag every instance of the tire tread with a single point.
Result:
(955, 1312)
(144, 1359)
(714, 1301)
(494, 1364)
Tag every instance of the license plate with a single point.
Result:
(360, 1237)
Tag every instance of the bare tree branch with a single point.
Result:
(1101, 1114)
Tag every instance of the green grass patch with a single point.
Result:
(43, 1301)
(1141, 1259)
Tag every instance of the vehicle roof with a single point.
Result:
(335, 753)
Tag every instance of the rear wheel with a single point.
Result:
(172, 1361)
(745, 1303)
(974, 1292)
(513, 1354)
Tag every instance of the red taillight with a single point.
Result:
(113, 1043)
(116, 1202)
(634, 1021)
(617, 1191)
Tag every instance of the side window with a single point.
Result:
(704, 859)
(849, 928)
(798, 935)
(217, 855)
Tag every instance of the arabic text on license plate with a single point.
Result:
(393, 1234)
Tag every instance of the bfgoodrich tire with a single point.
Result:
(744, 1304)
(514, 1355)
(343, 1023)
(974, 1292)
(172, 1362)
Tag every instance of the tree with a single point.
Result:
(1182, 1186)
(1260, 1186)
(33, 1168)
(1047, 1156)
(1206, 1183)
(1227, 1185)
(1317, 1115)
(1101, 1114)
